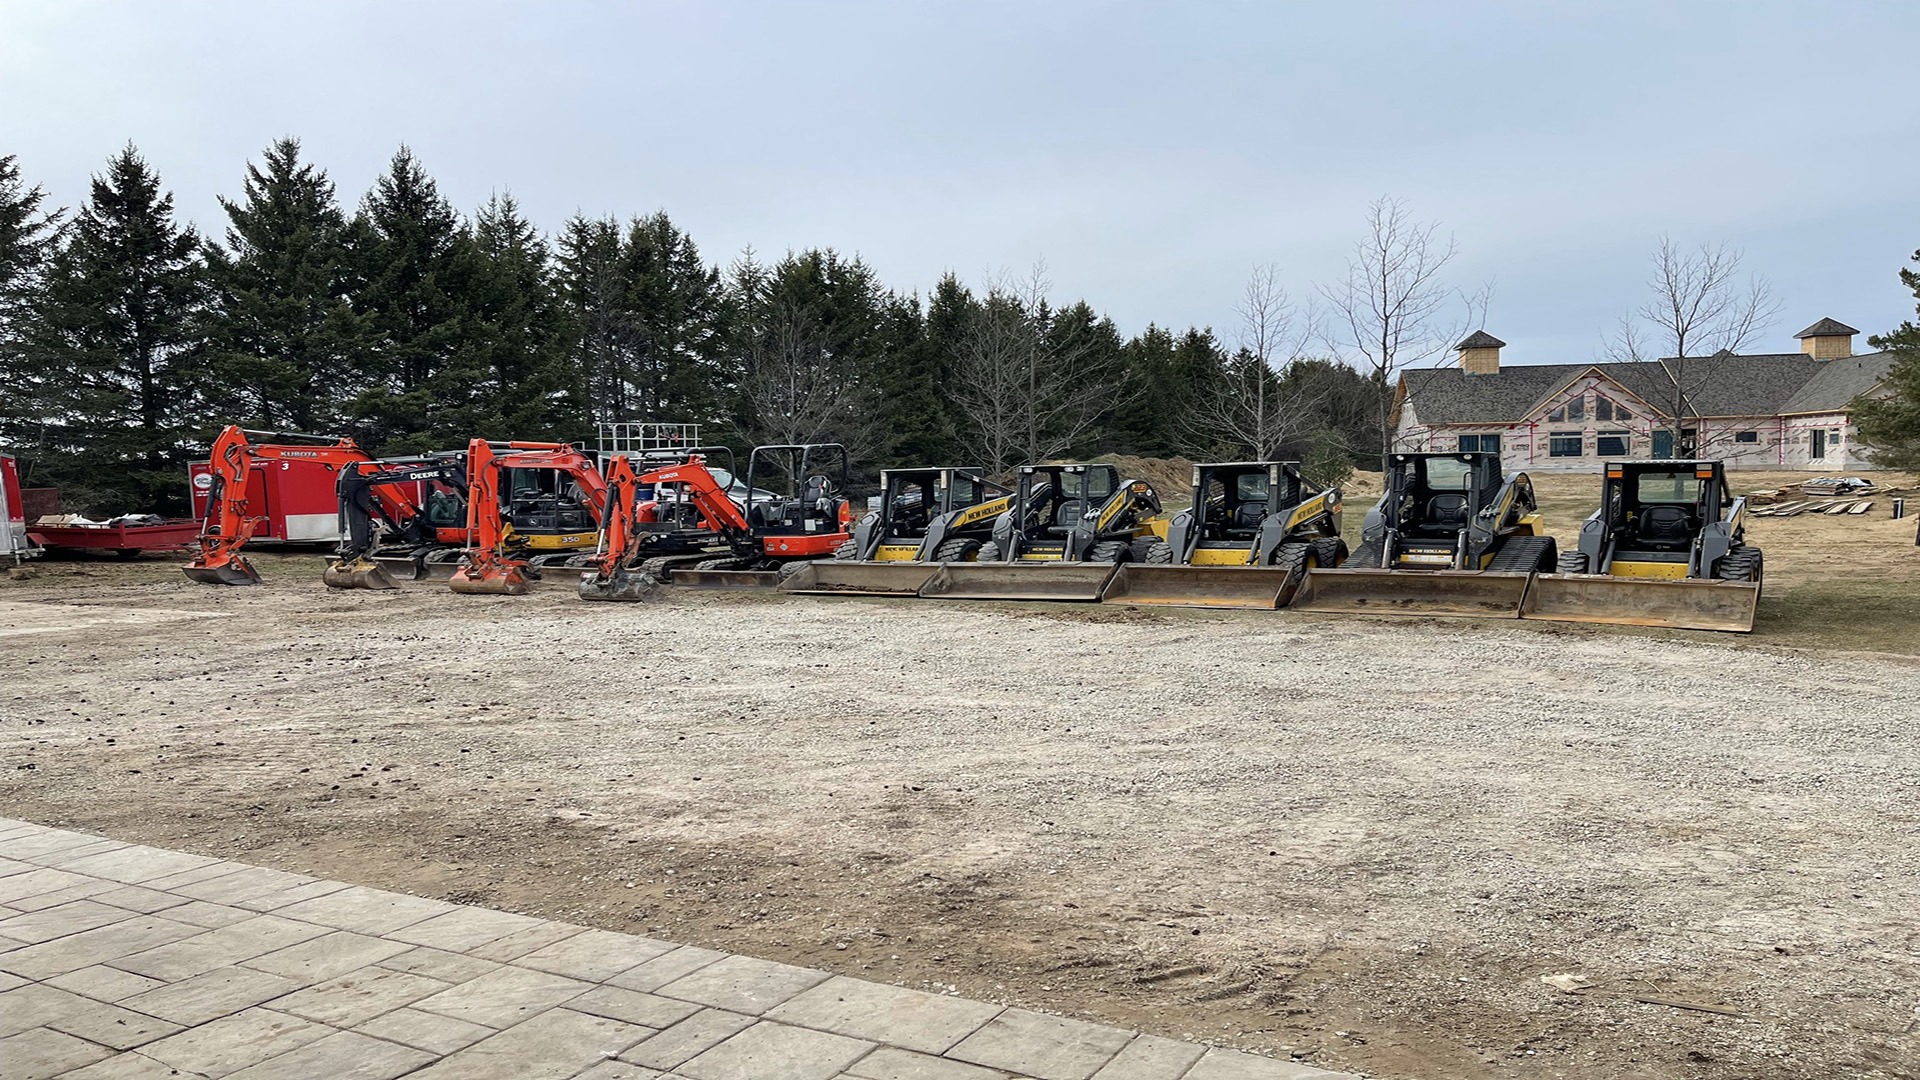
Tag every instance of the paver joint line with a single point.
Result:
(219, 968)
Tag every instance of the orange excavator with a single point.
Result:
(497, 561)
(762, 530)
(621, 541)
(230, 519)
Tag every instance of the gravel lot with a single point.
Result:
(1360, 841)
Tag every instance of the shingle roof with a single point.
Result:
(1765, 384)
(1827, 328)
(1480, 339)
(1838, 382)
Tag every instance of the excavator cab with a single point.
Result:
(794, 506)
(1069, 528)
(926, 516)
(1255, 527)
(1667, 547)
(1451, 535)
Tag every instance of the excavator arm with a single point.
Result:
(619, 542)
(227, 526)
(698, 481)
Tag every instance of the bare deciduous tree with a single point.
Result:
(1389, 310)
(1028, 391)
(1257, 406)
(1700, 307)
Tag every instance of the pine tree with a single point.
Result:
(1891, 424)
(116, 349)
(285, 338)
(27, 233)
(645, 316)
(407, 241)
(510, 379)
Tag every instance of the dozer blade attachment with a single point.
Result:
(725, 579)
(508, 583)
(359, 574)
(1261, 587)
(233, 572)
(832, 577)
(1079, 581)
(622, 586)
(1466, 593)
(1683, 605)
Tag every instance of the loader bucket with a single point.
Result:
(358, 574)
(624, 585)
(725, 579)
(1081, 581)
(1683, 605)
(1261, 587)
(845, 578)
(508, 582)
(235, 571)
(1465, 593)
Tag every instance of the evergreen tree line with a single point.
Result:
(127, 339)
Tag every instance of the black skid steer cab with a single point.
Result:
(1255, 527)
(926, 516)
(1667, 547)
(1451, 535)
(1069, 528)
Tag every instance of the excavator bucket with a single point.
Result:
(1465, 593)
(1682, 605)
(235, 571)
(624, 585)
(473, 582)
(725, 579)
(1079, 581)
(358, 574)
(1260, 587)
(835, 577)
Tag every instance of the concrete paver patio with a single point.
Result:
(123, 962)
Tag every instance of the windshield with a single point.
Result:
(1448, 474)
(1667, 487)
(1251, 487)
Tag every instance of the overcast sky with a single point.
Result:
(1152, 153)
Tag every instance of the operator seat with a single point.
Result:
(1664, 527)
(1068, 516)
(1446, 515)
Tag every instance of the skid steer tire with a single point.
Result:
(1110, 551)
(1329, 552)
(1293, 557)
(989, 552)
(959, 549)
(1143, 546)
(1571, 562)
(1158, 553)
(846, 551)
(1743, 563)
(1524, 555)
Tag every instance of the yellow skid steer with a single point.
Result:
(1254, 529)
(1666, 548)
(1070, 527)
(926, 516)
(1451, 535)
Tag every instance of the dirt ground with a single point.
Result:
(1358, 841)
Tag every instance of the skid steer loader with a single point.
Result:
(1069, 529)
(1450, 536)
(1254, 528)
(1667, 547)
(926, 516)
